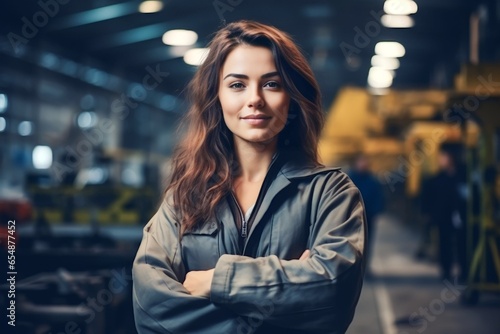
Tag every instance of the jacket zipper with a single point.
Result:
(244, 224)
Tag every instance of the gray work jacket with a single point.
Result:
(259, 285)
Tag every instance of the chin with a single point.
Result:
(262, 139)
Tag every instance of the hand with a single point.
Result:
(305, 255)
(198, 282)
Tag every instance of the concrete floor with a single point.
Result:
(408, 297)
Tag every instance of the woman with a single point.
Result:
(254, 235)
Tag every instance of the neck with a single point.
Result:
(254, 158)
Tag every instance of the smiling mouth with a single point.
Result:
(256, 117)
(256, 120)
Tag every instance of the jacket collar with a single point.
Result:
(294, 165)
(292, 170)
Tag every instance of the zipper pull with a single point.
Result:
(244, 228)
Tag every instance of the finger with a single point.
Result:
(305, 255)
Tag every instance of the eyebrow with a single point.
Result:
(243, 76)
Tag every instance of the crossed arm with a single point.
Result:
(198, 283)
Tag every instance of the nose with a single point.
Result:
(256, 100)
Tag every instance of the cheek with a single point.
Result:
(229, 113)
(230, 106)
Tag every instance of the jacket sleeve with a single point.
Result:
(161, 303)
(318, 294)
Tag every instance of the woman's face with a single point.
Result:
(251, 93)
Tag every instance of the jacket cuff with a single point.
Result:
(220, 281)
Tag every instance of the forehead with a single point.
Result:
(247, 59)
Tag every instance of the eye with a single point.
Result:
(272, 84)
(237, 85)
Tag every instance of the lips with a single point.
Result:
(257, 116)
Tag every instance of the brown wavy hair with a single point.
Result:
(204, 162)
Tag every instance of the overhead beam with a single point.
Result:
(95, 15)
(144, 33)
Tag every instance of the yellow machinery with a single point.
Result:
(103, 204)
(106, 205)
(410, 113)
(359, 122)
(477, 99)
(348, 125)
(352, 127)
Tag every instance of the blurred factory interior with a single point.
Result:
(91, 93)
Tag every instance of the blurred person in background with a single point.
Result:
(254, 235)
(444, 205)
(373, 197)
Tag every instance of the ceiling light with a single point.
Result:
(3, 124)
(397, 21)
(25, 128)
(87, 119)
(42, 157)
(150, 6)
(180, 37)
(390, 49)
(385, 63)
(400, 7)
(196, 57)
(379, 77)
